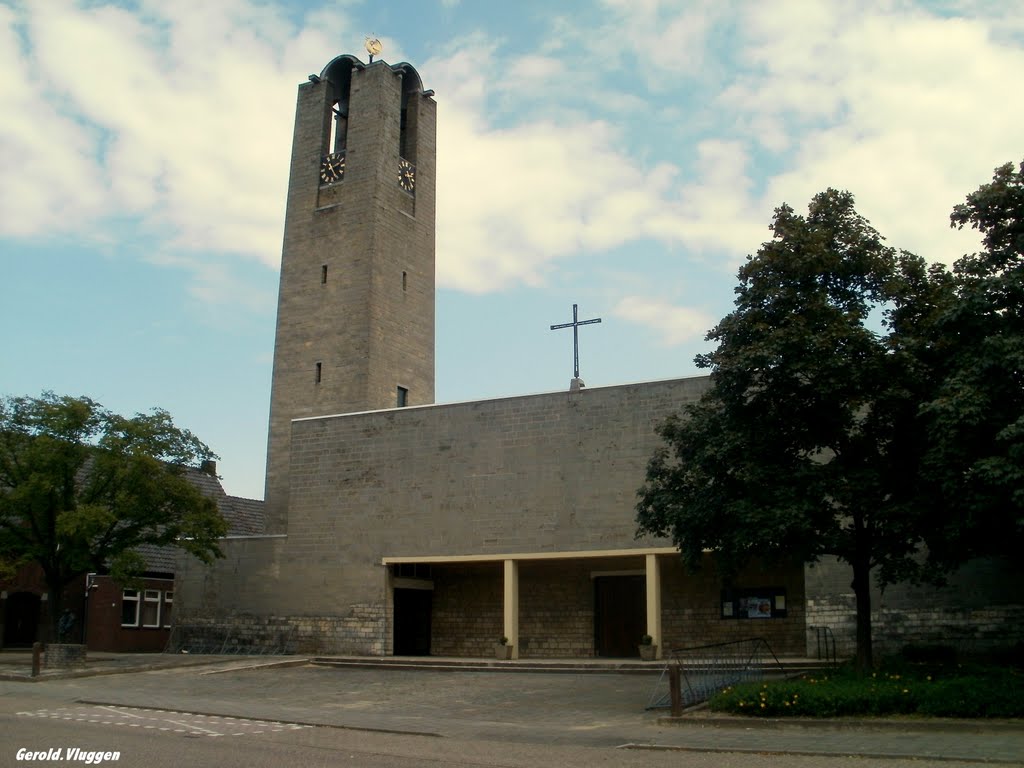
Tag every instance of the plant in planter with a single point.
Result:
(648, 650)
(502, 650)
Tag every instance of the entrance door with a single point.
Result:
(412, 622)
(21, 619)
(620, 615)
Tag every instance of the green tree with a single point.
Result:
(975, 421)
(807, 442)
(81, 488)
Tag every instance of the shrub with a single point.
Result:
(901, 689)
(975, 696)
(929, 654)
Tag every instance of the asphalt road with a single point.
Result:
(175, 740)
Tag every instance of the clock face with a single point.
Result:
(332, 168)
(406, 175)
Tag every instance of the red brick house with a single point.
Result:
(109, 617)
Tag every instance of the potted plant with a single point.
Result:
(648, 650)
(502, 650)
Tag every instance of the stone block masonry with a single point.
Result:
(64, 655)
(978, 610)
(541, 473)
(550, 472)
(363, 627)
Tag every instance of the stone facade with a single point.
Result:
(554, 473)
(467, 610)
(693, 614)
(286, 634)
(529, 495)
(355, 316)
(979, 609)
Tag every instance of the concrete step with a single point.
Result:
(573, 666)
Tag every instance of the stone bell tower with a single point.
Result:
(355, 315)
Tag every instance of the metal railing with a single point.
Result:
(826, 642)
(705, 670)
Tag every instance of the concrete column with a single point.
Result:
(511, 601)
(653, 579)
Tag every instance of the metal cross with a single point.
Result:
(575, 325)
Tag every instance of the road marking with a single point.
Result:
(122, 712)
(163, 720)
(194, 727)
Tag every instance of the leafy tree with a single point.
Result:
(81, 488)
(807, 442)
(975, 457)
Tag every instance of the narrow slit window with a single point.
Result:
(405, 280)
(323, 275)
(319, 374)
(403, 397)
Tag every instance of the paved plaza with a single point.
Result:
(243, 697)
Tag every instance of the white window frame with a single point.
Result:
(151, 596)
(168, 600)
(134, 597)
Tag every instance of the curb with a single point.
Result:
(903, 724)
(819, 753)
(307, 723)
(72, 674)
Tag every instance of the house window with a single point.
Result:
(403, 397)
(151, 608)
(130, 608)
(168, 606)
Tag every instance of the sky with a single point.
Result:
(623, 155)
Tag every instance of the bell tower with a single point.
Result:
(355, 314)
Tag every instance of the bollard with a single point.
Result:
(37, 657)
(675, 690)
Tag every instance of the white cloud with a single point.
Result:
(908, 111)
(864, 98)
(49, 177)
(166, 116)
(513, 200)
(176, 115)
(673, 325)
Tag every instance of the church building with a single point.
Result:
(398, 526)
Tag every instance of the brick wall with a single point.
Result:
(467, 610)
(105, 632)
(556, 608)
(692, 613)
(551, 472)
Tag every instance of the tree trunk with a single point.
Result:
(862, 590)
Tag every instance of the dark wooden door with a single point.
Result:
(412, 622)
(620, 615)
(21, 620)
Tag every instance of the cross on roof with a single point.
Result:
(575, 325)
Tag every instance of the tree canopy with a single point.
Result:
(974, 462)
(807, 443)
(82, 488)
